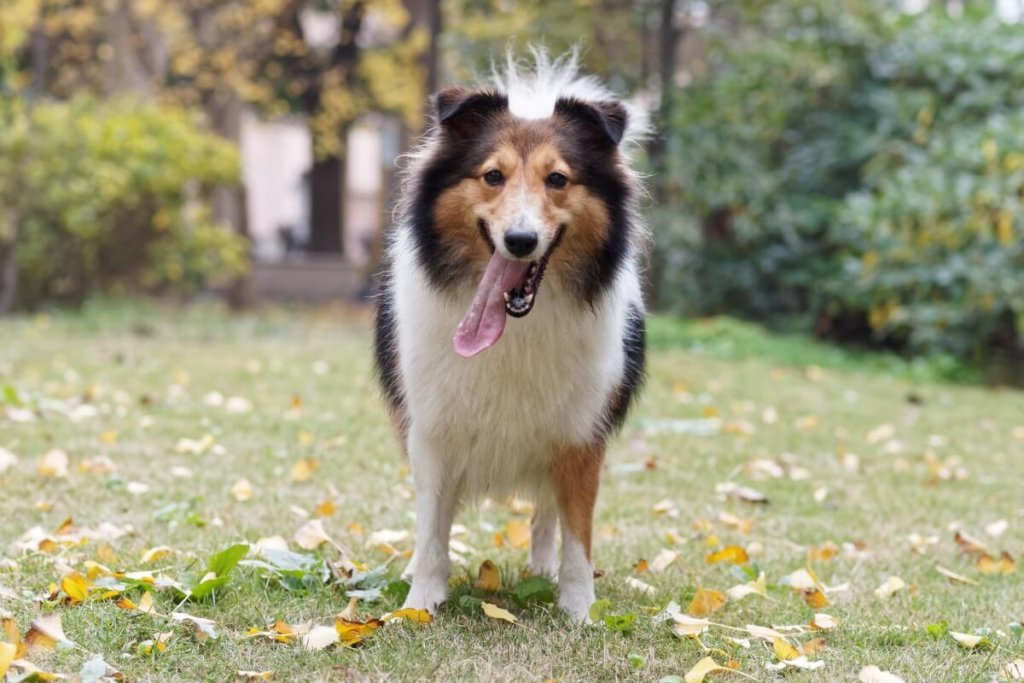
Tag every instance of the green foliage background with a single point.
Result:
(861, 171)
(109, 197)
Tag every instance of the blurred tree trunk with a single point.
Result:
(128, 70)
(8, 263)
(327, 178)
(668, 42)
(327, 205)
(224, 111)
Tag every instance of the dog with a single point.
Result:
(510, 337)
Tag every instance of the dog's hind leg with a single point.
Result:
(544, 536)
(437, 494)
(576, 476)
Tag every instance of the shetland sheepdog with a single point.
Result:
(510, 327)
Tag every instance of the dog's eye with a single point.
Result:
(557, 180)
(494, 178)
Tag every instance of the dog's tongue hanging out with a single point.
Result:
(484, 321)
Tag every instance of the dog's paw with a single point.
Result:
(428, 595)
(576, 602)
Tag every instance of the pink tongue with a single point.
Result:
(484, 321)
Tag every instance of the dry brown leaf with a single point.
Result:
(242, 490)
(311, 535)
(997, 528)
(813, 646)
(825, 551)
(824, 622)
(733, 554)
(750, 588)
(970, 545)
(986, 564)
(54, 464)
(489, 578)
(890, 587)
(156, 553)
(1013, 671)
(815, 598)
(744, 493)
(254, 675)
(968, 641)
(320, 637)
(7, 460)
(662, 560)
(706, 602)
(640, 586)
(495, 612)
(687, 626)
(641, 566)
(304, 469)
(45, 633)
(954, 577)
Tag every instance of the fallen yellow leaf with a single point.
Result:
(495, 612)
(733, 553)
(706, 666)
(304, 469)
(783, 650)
(986, 564)
(76, 587)
(815, 598)
(8, 651)
(354, 632)
(489, 579)
(419, 616)
(706, 602)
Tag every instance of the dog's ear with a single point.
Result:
(461, 111)
(604, 122)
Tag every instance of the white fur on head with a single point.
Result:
(534, 87)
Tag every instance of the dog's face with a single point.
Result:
(545, 193)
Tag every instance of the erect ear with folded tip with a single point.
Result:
(604, 122)
(461, 111)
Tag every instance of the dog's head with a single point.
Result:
(514, 198)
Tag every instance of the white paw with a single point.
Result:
(575, 600)
(542, 568)
(428, 595)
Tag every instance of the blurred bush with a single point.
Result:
(861, 171)
(109, 197)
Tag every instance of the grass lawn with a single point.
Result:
(853, 452)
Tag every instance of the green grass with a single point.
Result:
(147, 371)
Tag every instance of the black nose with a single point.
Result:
(521, 242)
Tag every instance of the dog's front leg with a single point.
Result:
(436, 498)
(576, 474)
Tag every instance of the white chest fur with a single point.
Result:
(497, 417)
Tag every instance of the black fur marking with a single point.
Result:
(605, 121)
(385, 347)
(634, 346)
(588, 140)
(468, 128)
